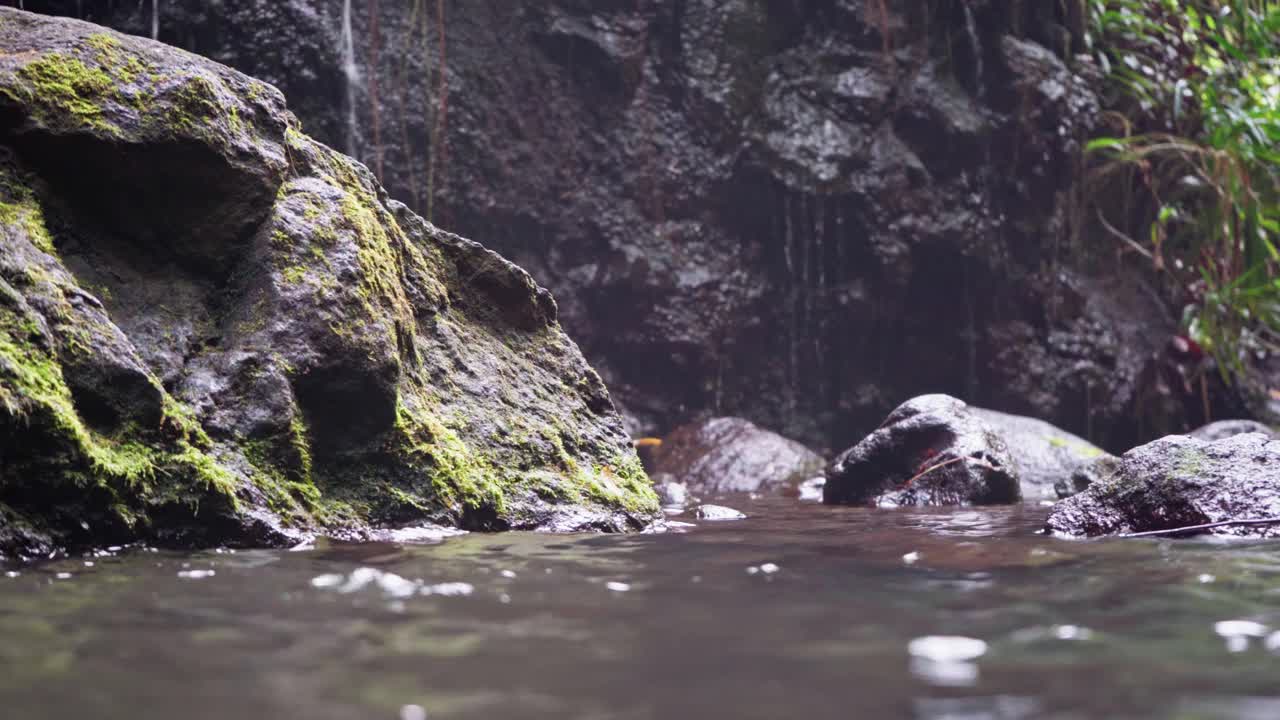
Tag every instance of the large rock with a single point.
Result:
(1046, 457)
(1179, 481)
(721, 455)
(793, 212)
(931, 450)
(215, 329)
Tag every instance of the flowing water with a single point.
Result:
(800, 611)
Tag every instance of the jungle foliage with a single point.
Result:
(1188, 172)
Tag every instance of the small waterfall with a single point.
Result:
(155, 19)
(975, 46)
(350, 71)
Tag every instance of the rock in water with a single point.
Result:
(717, 512)
(727, 454)
(1223, 429)
(1179, 481)
(931, 450)
(216, 330)
(1046, 456)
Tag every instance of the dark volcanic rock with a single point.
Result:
(932, 450)
(722, 455)
(214, 329)
(1044, 455)
(1179, 481)
(793, 212)
(1223, 429)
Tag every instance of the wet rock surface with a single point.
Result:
(735, 200)
(722, 455)
(1180, 481)
(931, 450)
(1045, 456)
(214, 329)
(1223, 429)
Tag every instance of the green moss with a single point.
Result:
(459, 476)
(134, 467)
(27, 215)
(294, 274)
(1081, 449)
(62, 90)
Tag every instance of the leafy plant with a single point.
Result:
(1195, 154)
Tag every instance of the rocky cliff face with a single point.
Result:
(216, 329)
(796, 212)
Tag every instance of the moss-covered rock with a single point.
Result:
(216, 330)
(1180, 481)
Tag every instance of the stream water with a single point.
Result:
(800, 611)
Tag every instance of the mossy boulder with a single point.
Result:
(1180, 481)
(214, 329)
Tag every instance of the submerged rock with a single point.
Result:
(214, 329)
(1180, 481)
(931, 450)
(717, 512)
(1047, 457)
(724, 454)
(1223, 429)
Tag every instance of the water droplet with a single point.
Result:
(507, 573)
(63, 576)
(1206, 578)
(196, 574)
(1240, 628)
(618, 586)
(505, 599)
(12, 574)
(911, 558)
(947, 648)
(413, 712)
(769, 568)
(1072, 632)
(449, 589)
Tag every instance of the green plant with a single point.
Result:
(1190, 174)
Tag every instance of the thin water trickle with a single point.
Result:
(801, 610)
(975, 46)
(155, 19)
(351, 76)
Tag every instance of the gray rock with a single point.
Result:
(1223, 429)
(215, 330)
(1180, 481)
(1086, 475)
(1046, 456)
(722, 455)
(717, 512)
(931, 450)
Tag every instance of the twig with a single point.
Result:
(1206, 526)
(1133, 244)
(943, 464)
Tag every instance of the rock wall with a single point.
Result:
(214, 329)
(796, 212)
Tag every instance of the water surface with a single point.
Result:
(800, 611)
